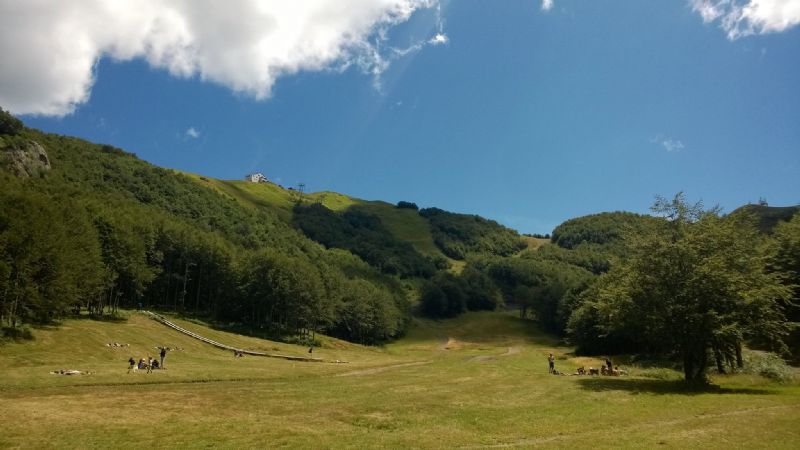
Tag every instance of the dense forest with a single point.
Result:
(364, 235)
(100, 230)
(462, 235)
(88, 228)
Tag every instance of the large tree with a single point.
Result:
(786, 263)
(695, 286)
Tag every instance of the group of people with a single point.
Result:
(607, 369)
(148, 364)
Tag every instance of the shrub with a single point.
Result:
(9, 124)
(407, 205)
(768, 365)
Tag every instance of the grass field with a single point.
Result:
(479, 381)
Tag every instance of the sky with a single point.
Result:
(526, 112)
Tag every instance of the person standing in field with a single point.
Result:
(163, 354)
(131, 364)
(551, 361)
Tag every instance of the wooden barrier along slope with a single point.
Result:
(166, 322)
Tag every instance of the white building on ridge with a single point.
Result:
(257, 177)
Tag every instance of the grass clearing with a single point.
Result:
(404, 224)
(479, 381)
(533, 243)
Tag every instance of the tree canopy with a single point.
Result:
(694, 285)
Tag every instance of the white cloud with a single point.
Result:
(440, 38)
(192, 133)
(672, 145)
(740, 18)
(547, 5)
(50, 48)
(669, 144)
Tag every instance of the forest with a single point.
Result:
(96, 229)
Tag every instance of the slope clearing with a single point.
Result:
(404, 224)
(479, 381)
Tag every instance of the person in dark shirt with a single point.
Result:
(163, 354)
(551, 361)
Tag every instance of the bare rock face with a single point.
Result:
(25, 159)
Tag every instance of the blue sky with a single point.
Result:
(524, 115)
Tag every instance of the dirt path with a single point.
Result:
(509, 352)
(380, 369)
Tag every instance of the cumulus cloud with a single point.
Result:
(50, 48)
(547, 5)
(192, 133)
(740, 18)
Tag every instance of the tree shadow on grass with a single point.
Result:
(11, 334)
(661, 387)
(112, 318)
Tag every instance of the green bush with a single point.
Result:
(9, 124)
(768, 365)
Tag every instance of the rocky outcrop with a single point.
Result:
(24, 158)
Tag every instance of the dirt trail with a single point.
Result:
(509, 352)
(380, 369)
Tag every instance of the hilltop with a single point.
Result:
(768, 217)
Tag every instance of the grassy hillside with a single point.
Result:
(405, 224)
(103, 229)
(219, 249)
(477, 381)
(767, 217)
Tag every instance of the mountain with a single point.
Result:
(97, 228)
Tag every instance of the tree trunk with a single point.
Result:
(718, 360)
(739, 360)
(197, 293)
(694, 364)
(13, 310)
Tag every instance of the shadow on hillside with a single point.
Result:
(112, 318)
(639, 386)
(10, 334)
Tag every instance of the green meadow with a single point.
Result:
(478, 381)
